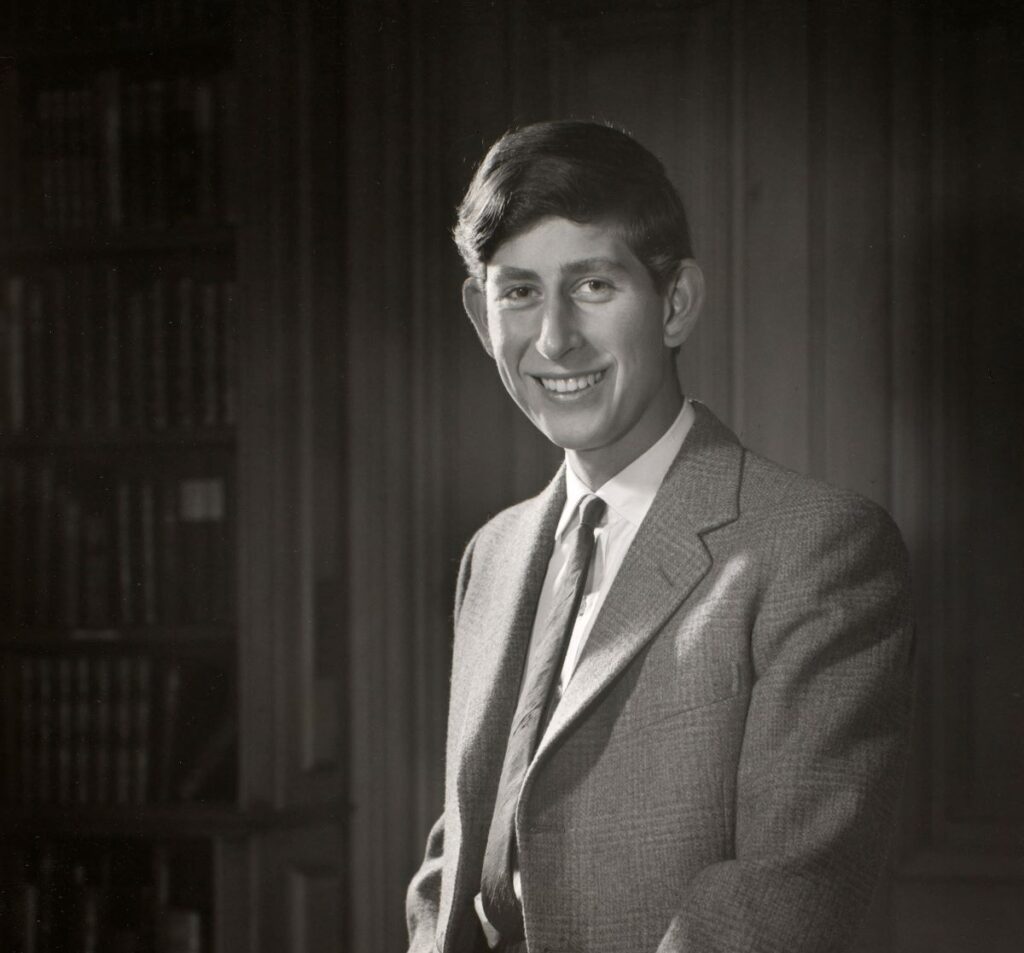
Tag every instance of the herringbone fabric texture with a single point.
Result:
(720, 775)
(537, 698)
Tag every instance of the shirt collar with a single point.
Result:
(630, 493)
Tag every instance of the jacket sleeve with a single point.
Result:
(823, 749)
(423, 896)
(424, 893)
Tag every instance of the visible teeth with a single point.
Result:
(569, 385)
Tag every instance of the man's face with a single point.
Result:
(582, 338)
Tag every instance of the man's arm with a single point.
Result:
(424, 893)
(822, 757)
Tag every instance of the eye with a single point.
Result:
(595, 289)
(517, 295)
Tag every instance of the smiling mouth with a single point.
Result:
(571, 385)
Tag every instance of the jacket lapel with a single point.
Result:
(666, 560)
(498, 647)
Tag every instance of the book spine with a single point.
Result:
(98, 566)
(168, 730)
(136, 204)
(45, 715)
(125, 554)
(23, 917)
(75, 162)
(180, 931)
(141, 733)
(47, 158)
(20, 543)
(112, 147)
(138, 360)
(43, 537)
(226, 138)
(38, 332)
(156, 153)
(150, 601)
(123, 711)
(158, 351)
(28, 729)
(184, 152)
(7, 518)
(211, 354)
(71, 535)
(103, 743)
(90, 157)
(11, 715)
(170, 597)
(60, 387)
(84, 333)
(59, 142)
(206, 150)
(15, 363)
(197, 528)
(113, 362)
(184, 326)
(65, 740)
(83, 737)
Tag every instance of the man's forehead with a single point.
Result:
(558, 244)
(571, 267)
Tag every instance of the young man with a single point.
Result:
(680, 687)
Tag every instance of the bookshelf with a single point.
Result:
(119, 672)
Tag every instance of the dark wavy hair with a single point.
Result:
(583, 171)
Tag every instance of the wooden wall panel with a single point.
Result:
(679, 104)
(861, 326)
(978, 771)
(398, 373)
(850, 402)
(773, 373)
(313, 908)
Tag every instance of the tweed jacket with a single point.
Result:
(722, 770)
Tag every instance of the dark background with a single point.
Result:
(854, 174)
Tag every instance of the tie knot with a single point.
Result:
(592, 511)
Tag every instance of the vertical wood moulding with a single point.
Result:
(818, 87)
(775, 232)
(394, 785)
(853, 349)
(237, 874)
(910, 470)
(429, 658)
(737, 242)
(313, 909)
(395, 350)
(943, 457)
(366, 501)
(302, 655)
(263, 393)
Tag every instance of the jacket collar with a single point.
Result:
(664, 563)
(666, 560)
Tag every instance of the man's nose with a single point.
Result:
(558, 331)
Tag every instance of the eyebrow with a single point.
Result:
(569, 269)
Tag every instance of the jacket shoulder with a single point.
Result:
(770, 488)
(797, 515)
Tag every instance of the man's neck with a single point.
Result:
(596, 467)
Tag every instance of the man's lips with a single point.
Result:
(570, 385)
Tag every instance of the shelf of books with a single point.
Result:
(118, 668)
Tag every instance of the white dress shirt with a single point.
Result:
(629, 495)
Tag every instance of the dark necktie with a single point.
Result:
(537, 699)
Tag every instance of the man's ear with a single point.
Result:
(474, 300)
(683, 302)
